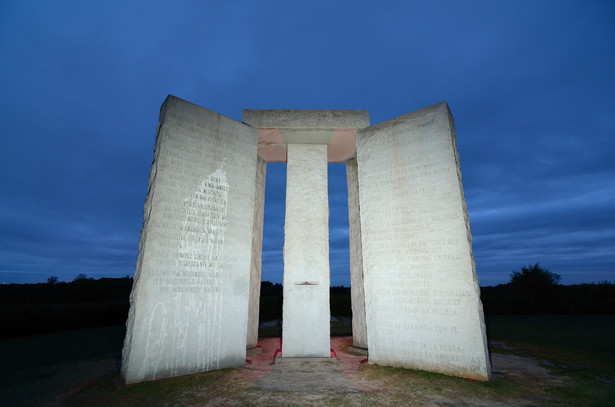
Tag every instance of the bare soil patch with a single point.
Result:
(351, 381)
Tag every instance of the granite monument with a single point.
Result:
(415, 294)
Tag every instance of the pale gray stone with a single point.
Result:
(189, 303)
(415, 295)
(306, 136)
(422, 298)
(278, 128)
(257, 248)
(357, 293)
(306, 119)
(306, 315)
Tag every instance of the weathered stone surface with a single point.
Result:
(306, 315)
(189, 304)
(423, 308)
(415, 295)
(306, 119)
(257, 248)
(278, 128)
(357, 293)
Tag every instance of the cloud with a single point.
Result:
(530, 89)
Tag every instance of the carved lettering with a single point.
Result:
(417, 262)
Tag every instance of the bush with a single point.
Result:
(536, 283)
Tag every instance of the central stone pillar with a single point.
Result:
(305, 327)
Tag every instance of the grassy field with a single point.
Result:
(576, 346)
(80, 368)
(582, 344)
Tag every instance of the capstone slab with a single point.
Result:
(278, 128)
(306, 119)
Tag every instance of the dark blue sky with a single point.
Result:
(531, 85)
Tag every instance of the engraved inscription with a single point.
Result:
(191, 280)
(417, 260)
(198, 255)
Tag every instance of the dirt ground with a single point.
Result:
(348, 381)
(316, 383)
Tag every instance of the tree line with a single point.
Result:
(27, 309)
(535, 290)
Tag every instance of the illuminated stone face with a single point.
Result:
(422, 297)
(415, 298)
(189, 303)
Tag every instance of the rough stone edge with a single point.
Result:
(479, 311)
(147, 209)
(257, 248)
(357, 292)
(133, 309)
(435, 110)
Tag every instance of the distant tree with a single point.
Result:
(536, 283)
(533, 277)
(52, 280)
(80, 276)
(270, 289)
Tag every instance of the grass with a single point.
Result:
(186, 389)
(579, 347)
(582, 332)
(38, 350)
(79, 368)
(455, 387)
(35, 368)
(579, 344)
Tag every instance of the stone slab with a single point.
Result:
(422, 297)
(278, 128)
(189, 303)
(283, 359)
(306, 119)
(357, 293)
(251, 352)
(257, 248)
(306, 136)
(353, 350)
(306, 315)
